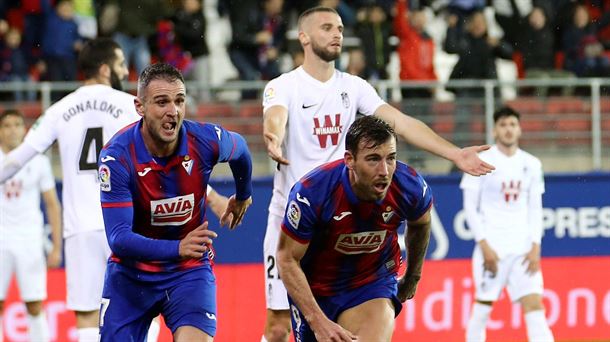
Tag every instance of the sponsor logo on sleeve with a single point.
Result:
(104, 175)
(172, 211)
(293, 214)
(360, 243)
(269, 94)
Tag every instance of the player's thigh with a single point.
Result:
(187, 333)
(7, 267)
(128, 305)
(488, 287)
(275, 292)
(372, 320)
(31, 271)
(521, 283)
(86, 259)
(191, 301)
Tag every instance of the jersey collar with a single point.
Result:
(143, 155)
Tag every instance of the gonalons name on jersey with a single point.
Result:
(89, 105)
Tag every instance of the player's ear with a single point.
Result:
(139, 106)
(348, 159)
(303, 38)
(104, 71)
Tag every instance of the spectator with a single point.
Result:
(537, 49)
(259, 34)
(60, 41)
(477, 54)
(190, 29)
(84, 14)
(134, 29)
(511, 15)
(14, 65)
(584, 53)
(374, 33)
(415, 49)
(356, 64)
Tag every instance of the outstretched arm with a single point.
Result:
(417, 133)
(53, 209)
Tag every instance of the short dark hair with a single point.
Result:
(370, 129)
(95, 53)
(313, 10)
(505, 111)
(158, 71)
(11, 112)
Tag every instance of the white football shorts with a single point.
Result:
(275, 292)
(86, 258)
(512, 274)
(25, 259)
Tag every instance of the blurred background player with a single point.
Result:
(21, 227)
(320, 99)
(504, 211)
(153, 178)
(82, 122)
(339, 254)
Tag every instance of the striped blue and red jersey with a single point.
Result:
(150, 203)
(351, 242)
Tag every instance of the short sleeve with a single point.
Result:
(422, 194)
(470, 182)
(537, 177)
(368, 99)
(276, 94)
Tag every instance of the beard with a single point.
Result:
(324, 54)
(115, 82)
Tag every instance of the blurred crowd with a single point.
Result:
(40, 39)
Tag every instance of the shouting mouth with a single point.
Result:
(169, 128)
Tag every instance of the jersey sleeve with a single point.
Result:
(368, 99)
(276, 94)
(537, 177)
(47, 180)
(422, 194)
(114, 180)
(44, 132)
(232, 148)
(299, 217)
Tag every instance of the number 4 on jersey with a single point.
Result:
(90, 151)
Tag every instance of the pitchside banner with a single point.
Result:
(576, 264)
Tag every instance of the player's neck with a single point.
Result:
(319, 69)
(96, 80)
(508, 150)
(155, 147)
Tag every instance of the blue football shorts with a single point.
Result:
(333, 306)
(132, 298)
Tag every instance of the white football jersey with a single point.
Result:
(503, 199)
(20, 215)
(319, 114)
(82, 123)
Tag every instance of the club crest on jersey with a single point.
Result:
(360, 243)
(293, 214)
(187, 164)
(104, 176)
(387, 215)
(345, 99)
(172, 211)
(330, 129)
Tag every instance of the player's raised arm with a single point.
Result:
(419, 134)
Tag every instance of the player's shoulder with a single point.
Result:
(120, 142)
(406, 176)
(283, 79)
(322, 178)
(203, 130)
(346, 77)
(530, 158)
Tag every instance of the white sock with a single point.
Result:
(537, 328)
(475, 331)
(263, 339)
(153, 331)
(39, 329)
(88, 334)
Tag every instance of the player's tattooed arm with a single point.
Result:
(416, 240)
